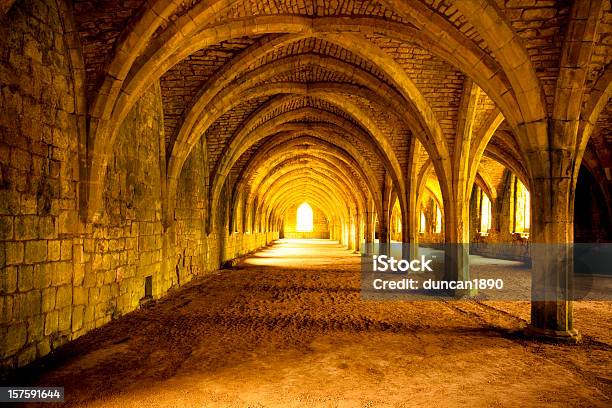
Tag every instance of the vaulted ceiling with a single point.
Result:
(343, 99)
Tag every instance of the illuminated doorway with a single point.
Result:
(304, 218)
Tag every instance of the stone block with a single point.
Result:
(110, 276)
(38, 278)
(62, 273)
(14, 253)
(51, 321)
(63, 297)
(94, 296)
(43, 275)
(35, 329)
(25, 277)
(35, 251)
(78, 314)
(6, 308)
(26, 227)
(79, 296)
(89, 279)
(101, 311)
(105, 293)
(54, 250)
(27, 304)
(100, 278)
(6, 227)
(88, 316)
(539, 14)
(78, 275)
(64, 319)
(48, 299)
(46, 228)
(66, 250)
(68, 222)
(8, 279)
(14, 339)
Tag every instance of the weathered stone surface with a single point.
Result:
(51, 322)
(26, 278)
(14, 253)
(13, 338)
(393, 120)
(35, 251)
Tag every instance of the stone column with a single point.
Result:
(384, 235)
(457, 238)
(457, 207)
(351, 232)
(358, 218)
(552, 232)
(369, 232)
(410, 225)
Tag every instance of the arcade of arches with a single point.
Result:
(158, 141)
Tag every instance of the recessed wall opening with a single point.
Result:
(304, 218)
(148, 287)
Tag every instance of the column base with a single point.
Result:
(465, 294)
(558, 336)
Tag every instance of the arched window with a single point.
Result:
(304, 218)
(423, 223)
(521, 208)
(396, 217)
(485, 212)
(438, 219)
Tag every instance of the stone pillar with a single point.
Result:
(384, 219)
(369, 232)
(457, 238)
(410, 226)
(459, 189)
(384, 234)
(358, 218)
(551, 233)
(351, 232)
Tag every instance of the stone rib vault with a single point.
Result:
(146, 143)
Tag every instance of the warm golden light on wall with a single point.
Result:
(438, 220)
(422, 223)
(304, 218)
(522, 216)
(485, 213)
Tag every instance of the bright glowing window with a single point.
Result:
(522, 215)
(438, 220)
(423, 223)
(304, 218)
(485, 213)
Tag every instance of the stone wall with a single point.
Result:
(60, 276)
(39, 183)
(127, 244)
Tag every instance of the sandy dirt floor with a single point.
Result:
(287, 328)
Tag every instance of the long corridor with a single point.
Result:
(286, 328)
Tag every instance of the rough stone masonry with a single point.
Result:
(146, 143)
